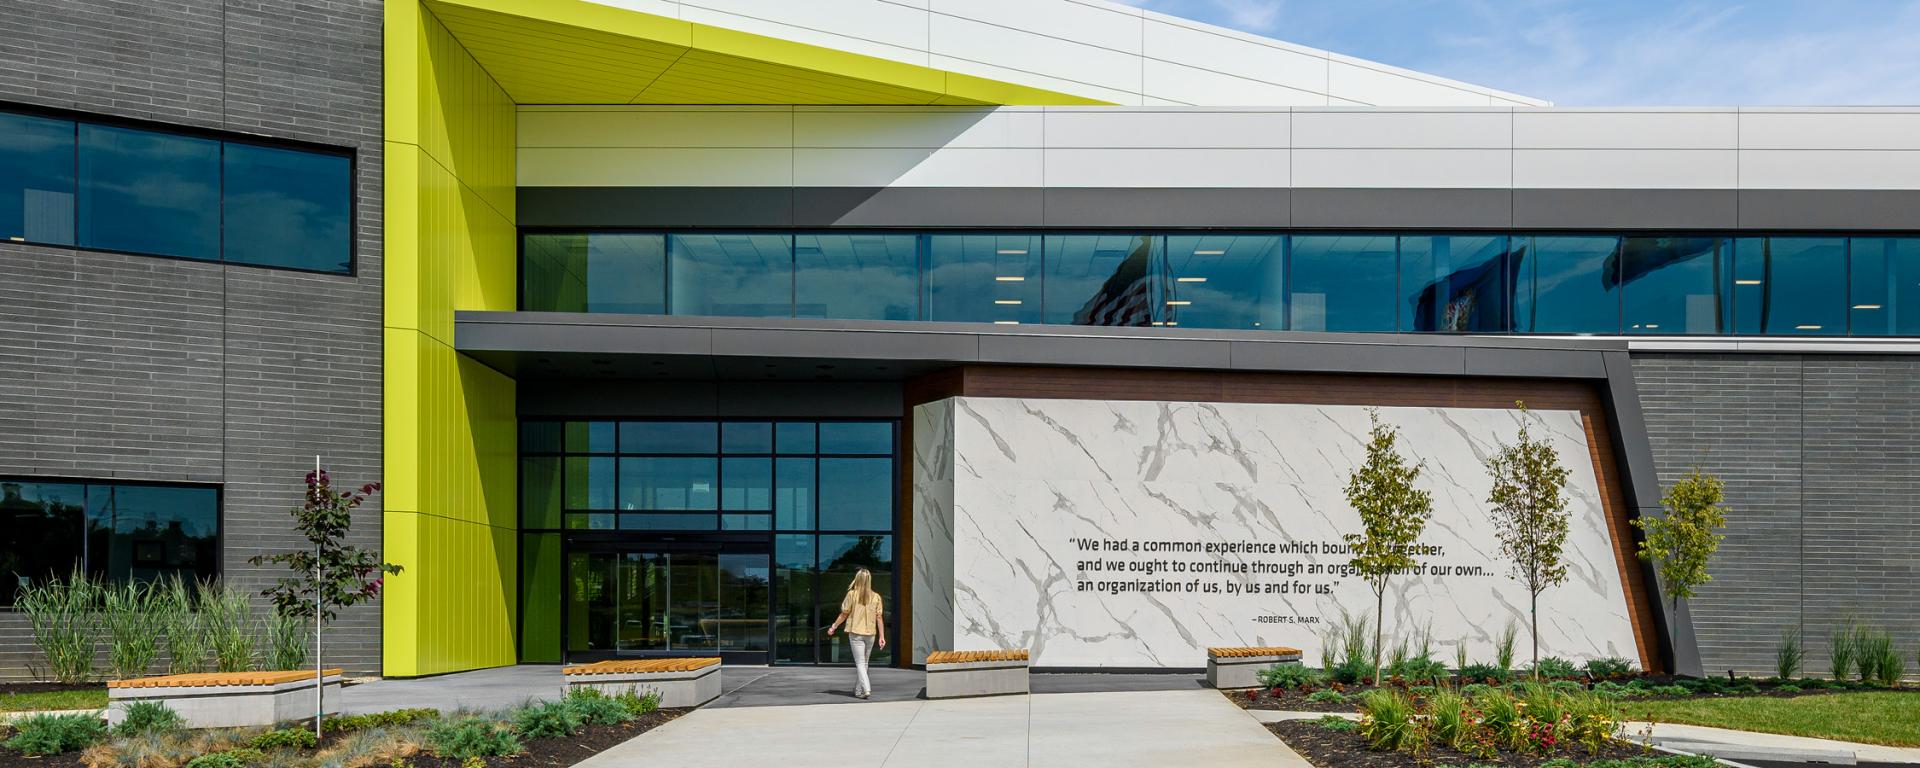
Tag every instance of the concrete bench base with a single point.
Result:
(976, 678)
(1243, 671)
(230, 706)
(689, 688)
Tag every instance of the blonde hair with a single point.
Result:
(862, 587)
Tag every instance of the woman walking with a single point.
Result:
(860, 610)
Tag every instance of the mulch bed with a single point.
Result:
(48, 687)
(12, 759)
(1291, 700)
(1347, 749)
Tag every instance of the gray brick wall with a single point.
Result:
(141, 368)
(1821, 457)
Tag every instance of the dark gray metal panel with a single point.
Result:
(916, 207)
(1149, 207)
(563, 398)
(1542, 363)
(644, 207)
(1351, 358)
(1634, 454)
(1891, 209)
(585, 337)
(1403, 208)
(1104, 351)
(853, 345)
(1626, 208)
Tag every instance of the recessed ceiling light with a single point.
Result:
(1653, 325)
(1808, 327)
(1012, 251)
(1178, 302)
(1746, 282)
(1210, 253)
(1866, 306)
(1189, 279)
(1006, 301)
(1006, 322)
(1010, 278)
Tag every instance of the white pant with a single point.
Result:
(862, 645)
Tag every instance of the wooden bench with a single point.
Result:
(953, 674)
(227, 699)
(680, 682)
(1240, 667)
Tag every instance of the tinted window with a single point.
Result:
(746, 437)
(667, 483)
(114, 532)
(41, 529)
(1790, 286)
(589, 483)
(1672, 284)
(732, 275)
(1223, 281)
(1885, 297)
(746, 484)
(1454, 284)
(667, 437)
(36, 179)
(148, 192)
(983, 278)
(856, 277)
(856, 437)
(856, 494)
(1568, 285)
(286, 208)
(1342, 283)
(1099, 280)
(595, 273)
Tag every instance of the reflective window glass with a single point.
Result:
(983, 279)
(669, 522)
(795, 572)
(1567, 285)
(594, 273)
(1885, 298)
(287, 208)
(146, 533)
(746, 437)
(857, 277)
(1223, 281)
(1099, 280)
(1672, 284)
(41, 530)
(731, 275)
(589, 436)
(793, 494)
(867, 437)
(1454, 284)
(1790, 286)
(1341, 283)
(667, 437)
(856, 494)
(147, 192)
(589, 483)
(840, 558)
(793, 437)
(745, 523)
(746, 484)
(36, 179)
(540, 492)
(667, 483)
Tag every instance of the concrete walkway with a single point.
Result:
(1750, 745)
(484, 689)
(1111, 729)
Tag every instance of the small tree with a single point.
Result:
(332, 574)
(1682, 543)
(1530, 517)
(1392, 515)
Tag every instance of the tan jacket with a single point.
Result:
(862, 619)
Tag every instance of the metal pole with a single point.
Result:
(319, 604)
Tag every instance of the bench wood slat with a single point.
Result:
(1232, 653)
(219, 679)
(967, 657)
(636, 666)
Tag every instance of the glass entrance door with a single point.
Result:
(639, 600)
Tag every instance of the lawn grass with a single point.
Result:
(89, 698)
(1878, 717)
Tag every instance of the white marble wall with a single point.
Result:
(1004, 487)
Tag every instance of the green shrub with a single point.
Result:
(1452, 722)
(596, 708)
(1669, 690)
(1422, 690)
(1566, 685)
(232, 758)
(174, 613)
(1500, 716)
(1555, 667)
(286, 641)
(1481, 672)
(1843, 649)
(149, 718)
(1337, 723)
(1327, 696)
(1356, 649)
(55, 734)
(638, 704)
(1612, 666)
(1290, 675)
(347, 723)
(1591, 721)
(471, 737)
(1878, 661)
(546, 720)
(226, 615)
(126, 613)
(284, 738)
(1788, 657)
(1390, 724)
(1503, 648)
(1418, 669)
(1788, 688)
(65, 618)
(1474, 689)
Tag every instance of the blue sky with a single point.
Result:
(1614, 52)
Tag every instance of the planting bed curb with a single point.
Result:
(1240, 667)
(956, 674)
(227, 699)
(687, 682)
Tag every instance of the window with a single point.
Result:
(147, 192)
(1885, 295)
(287, 208)
(731, 275)
(856, 277)
(36, 179)
(1342, 283)
(168, 193)
(595, 273)
(1671, 284)
(1568, 285)
(1790, 286)
(1456, 284)
(1223, 281)
(983, 279)
(1098, 280)
(116, 532)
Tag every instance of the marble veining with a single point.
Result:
(1004, 489)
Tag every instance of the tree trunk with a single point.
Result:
(1379, 626)
(1533, 612)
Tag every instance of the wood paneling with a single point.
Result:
(1316, 389)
